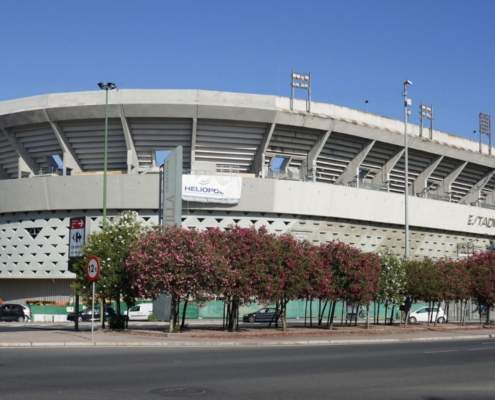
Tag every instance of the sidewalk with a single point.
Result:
(19, 336)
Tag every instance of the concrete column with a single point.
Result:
(474, 194)
(69, 157)
(445, 187)
(421, 182)
(259, 158)
(25, 162)
(132, 157)
(352, 168)
(315, 152)
(382, 177)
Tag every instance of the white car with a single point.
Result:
(140, 312)
(421, 315)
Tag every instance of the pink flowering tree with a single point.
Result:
(176, 261)
(456, 283)
(481, 268)
(319, 277)
(248, 252)
(355, 274)
(286, 277)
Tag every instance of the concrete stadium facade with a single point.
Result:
(339, 175)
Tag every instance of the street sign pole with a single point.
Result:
(93, 316)
(77, 238)
(93, 273)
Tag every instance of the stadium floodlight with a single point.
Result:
(407, 113)
(106, 87)
(300, 81)
(425, 113)
(485, 128)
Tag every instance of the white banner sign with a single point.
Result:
(211, 189)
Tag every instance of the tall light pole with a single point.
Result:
(106, 87)
(407, 112)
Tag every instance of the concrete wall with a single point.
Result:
(15, 290)
(258, 196)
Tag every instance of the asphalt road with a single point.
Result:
(430, 371)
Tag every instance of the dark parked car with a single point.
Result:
(86, 314)
(12, 312)
(262, 315)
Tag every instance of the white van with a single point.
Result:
(140, 312)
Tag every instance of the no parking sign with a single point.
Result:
(93, 271)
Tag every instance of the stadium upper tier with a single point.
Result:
(238, 133)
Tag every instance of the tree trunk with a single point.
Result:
(392, 314)
(488, 314)
(237, 318)
(76, 311)
(171, 324)
(438, 310)
(367, 316)
(319, 311)
(283, 305)
(322, 312)
(183, 323)
(344, 305)
(234, 311)
(117, 306)
(277, 314)
(102, 312)
(386, 313)
(331, 302)
(310, 312)
(332, 314)
(305, 312)
(223, 314)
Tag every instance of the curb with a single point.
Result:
(238, 344)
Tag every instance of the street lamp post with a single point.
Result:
(106, 87)
(407, 112)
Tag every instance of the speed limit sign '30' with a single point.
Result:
(93, 272)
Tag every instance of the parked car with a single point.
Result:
(421, 315)
(26, 309)
(13, 312)
(267, 314)
(140, 312)
(86, 314)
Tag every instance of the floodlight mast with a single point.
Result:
(407, 113)
(106, 87)
(485, 128)
(426, 113)
(302, 81)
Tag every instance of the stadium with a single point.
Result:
(333, 173)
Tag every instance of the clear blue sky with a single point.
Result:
(356, 50)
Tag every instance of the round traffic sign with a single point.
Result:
(93, 271)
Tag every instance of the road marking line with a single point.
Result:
(441, 351)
